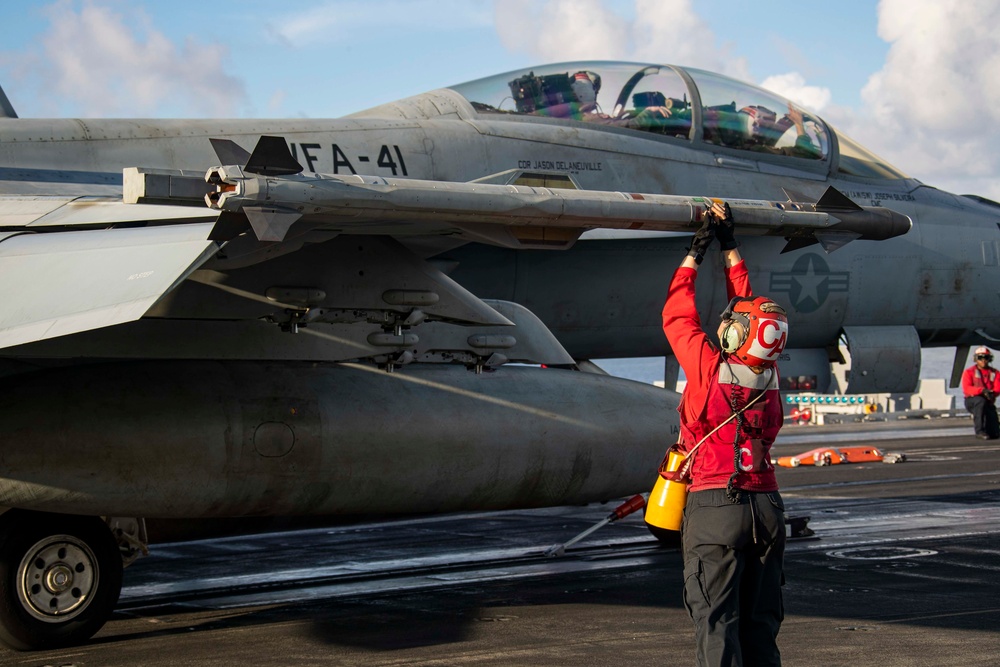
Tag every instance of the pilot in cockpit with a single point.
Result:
(586, 86)
(762, 131)
(804, 145)
(574, 97)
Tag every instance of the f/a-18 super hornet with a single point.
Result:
(396, 311)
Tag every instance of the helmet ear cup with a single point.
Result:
(732, 336)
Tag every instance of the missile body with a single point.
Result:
(359, 197)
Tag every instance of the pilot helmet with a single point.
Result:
(755, 117)
(586, 85)
(754, 329)
(983, 352)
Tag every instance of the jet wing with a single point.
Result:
(53, 284)
(50, 212)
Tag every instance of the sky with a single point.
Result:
(913, 80)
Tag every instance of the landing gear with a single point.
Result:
(60, 577)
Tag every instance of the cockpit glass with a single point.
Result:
(656, 99)
(741, 116)
(856, 160)
(648, 98)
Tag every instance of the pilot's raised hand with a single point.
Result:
(795, 116)
(725, 226)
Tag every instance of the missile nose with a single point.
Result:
(884, 223)
(874, 223)
(899, 224)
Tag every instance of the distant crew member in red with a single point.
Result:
(981, 384)
(730, 413)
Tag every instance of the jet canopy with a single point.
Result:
(681, 103)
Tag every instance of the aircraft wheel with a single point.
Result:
(60, 578)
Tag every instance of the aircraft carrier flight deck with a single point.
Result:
(901, 570)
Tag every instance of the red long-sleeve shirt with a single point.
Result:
(973, 383)
(704, 405)
(697, 355)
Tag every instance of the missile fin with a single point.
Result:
(797, 243)
(271, 157)
(230, 152)
(228, 226)
(270, 224)
(795, 195)
(835, 199)
(835, 240)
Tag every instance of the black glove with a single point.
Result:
(702, 239)
(724, 230)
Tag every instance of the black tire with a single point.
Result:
(60, 578)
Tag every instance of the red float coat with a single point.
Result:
(973, 383)
(706, 402)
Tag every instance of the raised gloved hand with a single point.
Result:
(725, 226)
(702, 239)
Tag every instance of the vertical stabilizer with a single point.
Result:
(6, 110)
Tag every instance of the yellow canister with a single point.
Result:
(665, 507)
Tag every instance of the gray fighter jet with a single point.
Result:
(395, 311)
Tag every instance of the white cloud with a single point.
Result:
(276, 102)
(672, 31)
(557, 30)
(343, 20)
(561, 29)
(793, 86)
(106, 65)
(934, 107)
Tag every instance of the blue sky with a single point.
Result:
(914, 80)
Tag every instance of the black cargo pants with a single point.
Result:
(733, 576)
(984, 416)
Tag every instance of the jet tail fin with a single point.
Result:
(6, 110)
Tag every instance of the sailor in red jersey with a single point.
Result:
(730, 414)
(981, 386)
